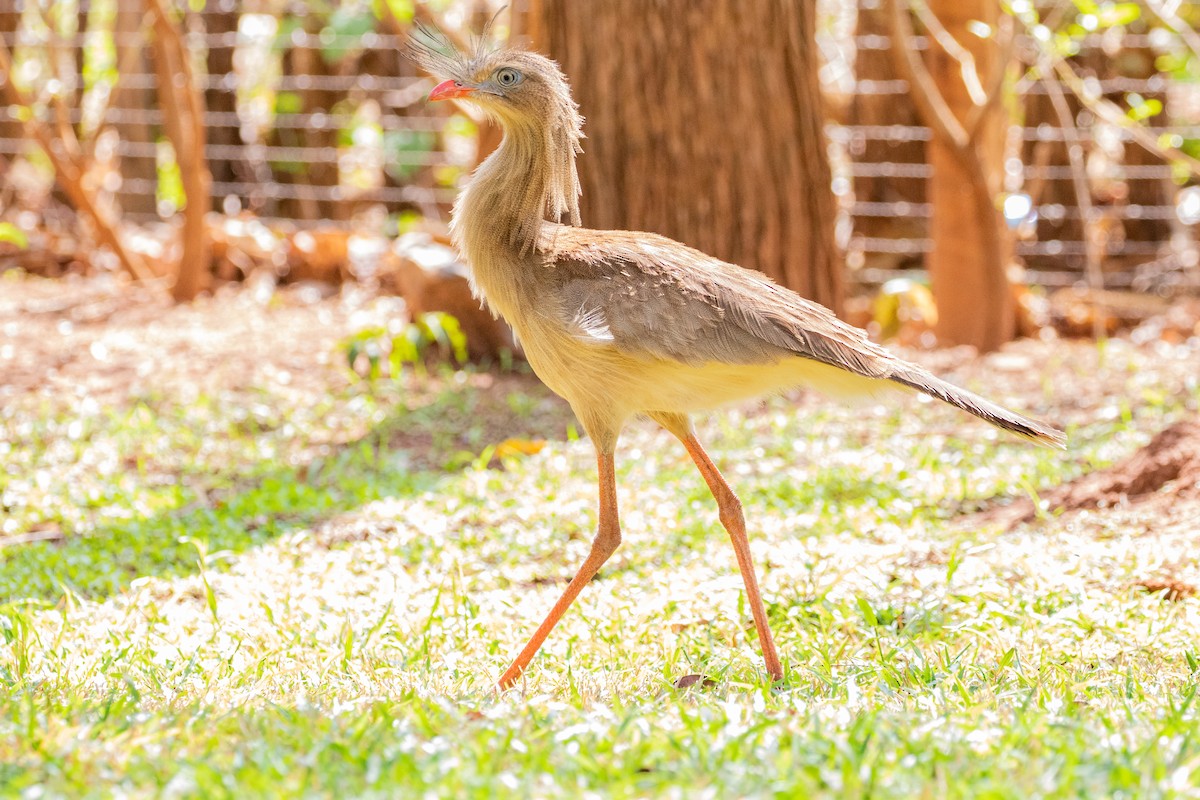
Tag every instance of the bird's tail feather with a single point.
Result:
(986, 410)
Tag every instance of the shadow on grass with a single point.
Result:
(412, 451)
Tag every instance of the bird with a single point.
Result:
(626, 324)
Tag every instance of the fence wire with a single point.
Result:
(399, 156)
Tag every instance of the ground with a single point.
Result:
(230, 567)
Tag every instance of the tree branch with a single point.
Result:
(69, 169)
(1112, 113)
(1177, 25)
(1005, 49)
(184, 120)
(1083, 193)
(925, 94)
(970, 74)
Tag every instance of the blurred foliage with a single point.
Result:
(170, 196)
(344, 32)
(402, 150)
(376, 352)
(99, 64)
(11, 234)
(901, 302)
(1060, 32)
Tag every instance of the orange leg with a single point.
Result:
(608, 538)
(735, 523)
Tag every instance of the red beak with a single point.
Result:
(448, 90)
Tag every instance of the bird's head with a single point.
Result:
(518, 87)
(530, 97)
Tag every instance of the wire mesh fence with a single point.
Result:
(1139, 217)
(316, 118)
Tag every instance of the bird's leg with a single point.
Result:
(608, 537)
(730, 508)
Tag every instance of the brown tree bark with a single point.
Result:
(972, 246)
(132, 104)
(62, 149)
(975, 303)
(183, 118)
(11, 128)
(704, 124)
(221, 17)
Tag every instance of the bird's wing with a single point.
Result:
(647, 294)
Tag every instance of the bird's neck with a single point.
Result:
(528, 180)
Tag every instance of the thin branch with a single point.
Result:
(69, 171)
(970, 74)
(184, 120)
(1083, 195)
(124, 67)
(936, 113)
(1110, 112)
(924, 90)
(1177, 25)
(66, 133)
(1005, 50)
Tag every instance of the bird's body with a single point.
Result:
(617, 337)
(623, 323)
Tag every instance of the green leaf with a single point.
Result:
(283, 34)
(210, 597)
(404, 151)
(345, 31)
(1112, 14)
(1141, 108)
(288, 103)
(11, 234)
(444, 329)
(868, 612)
(170, 179)
(400, 9)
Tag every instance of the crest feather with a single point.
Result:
(433, 52)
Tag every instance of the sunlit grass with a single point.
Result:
(283, 598)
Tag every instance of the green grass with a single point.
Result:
(298, 597)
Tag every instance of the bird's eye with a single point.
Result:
(508, 77)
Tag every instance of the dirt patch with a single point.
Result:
(110, 341)
(1165, 471)
(1172, 589)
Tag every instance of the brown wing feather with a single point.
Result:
(649, 295)
(664, 299)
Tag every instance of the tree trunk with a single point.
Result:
(221, 17)
(704, 124)
(972, 247)
(304, 60)
(183, 117)
(131, 105)
(11, 128)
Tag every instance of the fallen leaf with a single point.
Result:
(511, 448)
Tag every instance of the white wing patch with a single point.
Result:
(592, 325)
